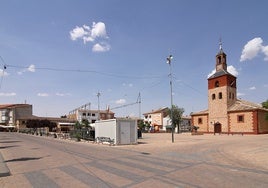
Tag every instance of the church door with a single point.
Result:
(217, 128)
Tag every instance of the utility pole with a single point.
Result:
(169, 58)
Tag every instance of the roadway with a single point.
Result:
(192, 161)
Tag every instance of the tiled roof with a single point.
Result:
(200, 112)
(3, 106)
(156, 111)
(220, 73)
(241, 105)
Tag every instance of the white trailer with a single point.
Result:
(121, 131)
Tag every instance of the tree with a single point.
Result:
(77, 125)
(176, 116)
(141, 125)
(265, 105)
(85, 123)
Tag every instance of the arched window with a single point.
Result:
(220, 95)
(219, 60)
(213, 96)
(217, 84)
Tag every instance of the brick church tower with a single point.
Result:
(221, 94)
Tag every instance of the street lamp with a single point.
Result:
(169, 58)
(98, 95)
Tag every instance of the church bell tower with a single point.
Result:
(221, 94)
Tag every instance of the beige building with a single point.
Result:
(226, 113)
(15, 117)
(85, 113)
(160, 120)
(9, 114)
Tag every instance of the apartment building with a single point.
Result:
(85, 113)
(10, 113)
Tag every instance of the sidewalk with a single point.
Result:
(4, 171)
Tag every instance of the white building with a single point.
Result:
(85, 113)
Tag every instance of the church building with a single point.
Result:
(226, 113)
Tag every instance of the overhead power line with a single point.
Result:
(88, 71)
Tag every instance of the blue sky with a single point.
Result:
(59, 54)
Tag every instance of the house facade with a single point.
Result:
(9, 114)
(85, 113)
(226, 113)
(160, 121)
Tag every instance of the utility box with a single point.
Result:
(122, 131)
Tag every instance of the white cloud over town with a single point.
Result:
(101, 47)
(3, 73)
(120, 101)
(231, 69)
(252, 88)
(253, 48)
(90, 34)
(43, 94)
(62, 94)
(31, 68)
(240, 94)
(8, 94)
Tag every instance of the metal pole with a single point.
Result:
(171, 97)
(98, 95)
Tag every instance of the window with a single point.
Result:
(240, 118)
(84, 114)
(217, 84)
(220, 95)
(219, 60)
(213, 96)
(93, 114)
(200, 120)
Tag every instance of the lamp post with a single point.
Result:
(169, 58)
(98, 95)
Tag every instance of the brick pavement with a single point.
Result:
(155, 162)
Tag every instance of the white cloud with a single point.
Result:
(87, 34)
(101, 47)
(43, 94)
(253, 48)
(78, 33)
(3, 73)
(120, 101)
(240, 94)
(231, 69)
(63, 94)
(7, 94)
(211, 73)
(127, 85)
(252, 88)
(265, 51)
(98, 30)
(31, 68)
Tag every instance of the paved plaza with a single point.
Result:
(191, 161)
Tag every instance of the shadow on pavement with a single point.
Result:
(4, 147)
(24, 159)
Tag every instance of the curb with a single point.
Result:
(4, 170)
